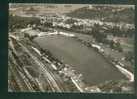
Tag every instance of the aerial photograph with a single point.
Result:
(74, 48)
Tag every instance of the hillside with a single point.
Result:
(105, 13)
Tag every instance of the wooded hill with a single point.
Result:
(105, 13)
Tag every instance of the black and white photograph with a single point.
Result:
(73, 48)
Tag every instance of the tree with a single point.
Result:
(118, 47)
(129, 56)
(16, 22)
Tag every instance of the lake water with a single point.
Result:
(91, 64)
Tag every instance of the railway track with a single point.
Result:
(43, 68)
(53, 82)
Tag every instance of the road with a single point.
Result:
(52, 79)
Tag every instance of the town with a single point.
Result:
(49, 52)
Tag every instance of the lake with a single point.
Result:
(94, 67)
